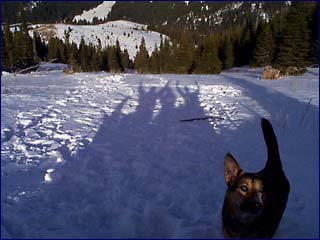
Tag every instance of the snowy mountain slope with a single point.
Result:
(128, 33)
(99, 12)
(97, 155)
(203, 16)
(206, 15)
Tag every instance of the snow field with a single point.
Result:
(101, 12)
(98, 155)
(129, 34)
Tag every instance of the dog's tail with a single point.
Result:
(273, 159)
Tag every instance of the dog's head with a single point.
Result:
(245, 193)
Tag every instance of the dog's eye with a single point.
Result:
(261, 190)
(244, 188)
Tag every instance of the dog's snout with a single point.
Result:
(251, 207)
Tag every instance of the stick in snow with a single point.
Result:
(29, 69)
(201, 118)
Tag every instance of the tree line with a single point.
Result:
(20, 51)
(17, 49)
(282, 42)
(292, 41)
(87, 57)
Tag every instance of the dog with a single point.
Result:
(254, 202)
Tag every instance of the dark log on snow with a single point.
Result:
(201, 118)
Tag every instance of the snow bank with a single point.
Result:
(4, 73)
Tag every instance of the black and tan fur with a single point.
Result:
(254, 202)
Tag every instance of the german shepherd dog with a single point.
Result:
(254, 202)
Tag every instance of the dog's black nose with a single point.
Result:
(252, 207)
(256, 207)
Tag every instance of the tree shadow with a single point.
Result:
(144, 175)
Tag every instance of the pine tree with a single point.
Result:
(7, 48)
(97, 57)
(26, 46)
(172, 61)
(295, 39)
(227, 56)
(21, 48)
(113, 63)
(90, 57)
(83, 55)
(208, 61)
(125, 59)
(245, 45)
(56, 50)
(67, 45)
(264, 47)
(119, 56)
(165, 56)
(16, 52)
(104, 63)
(183, 55)
(73, 57)
(141, 62)
(155, 61)
(314, 40)
(53, 51)
(237, 50)
(40, 46)
(5, 60)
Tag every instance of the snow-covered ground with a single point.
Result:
(129, 34)
(97, 155)
(100, 12)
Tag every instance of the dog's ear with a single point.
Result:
(231, 169)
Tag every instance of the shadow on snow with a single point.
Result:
(146, 175)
